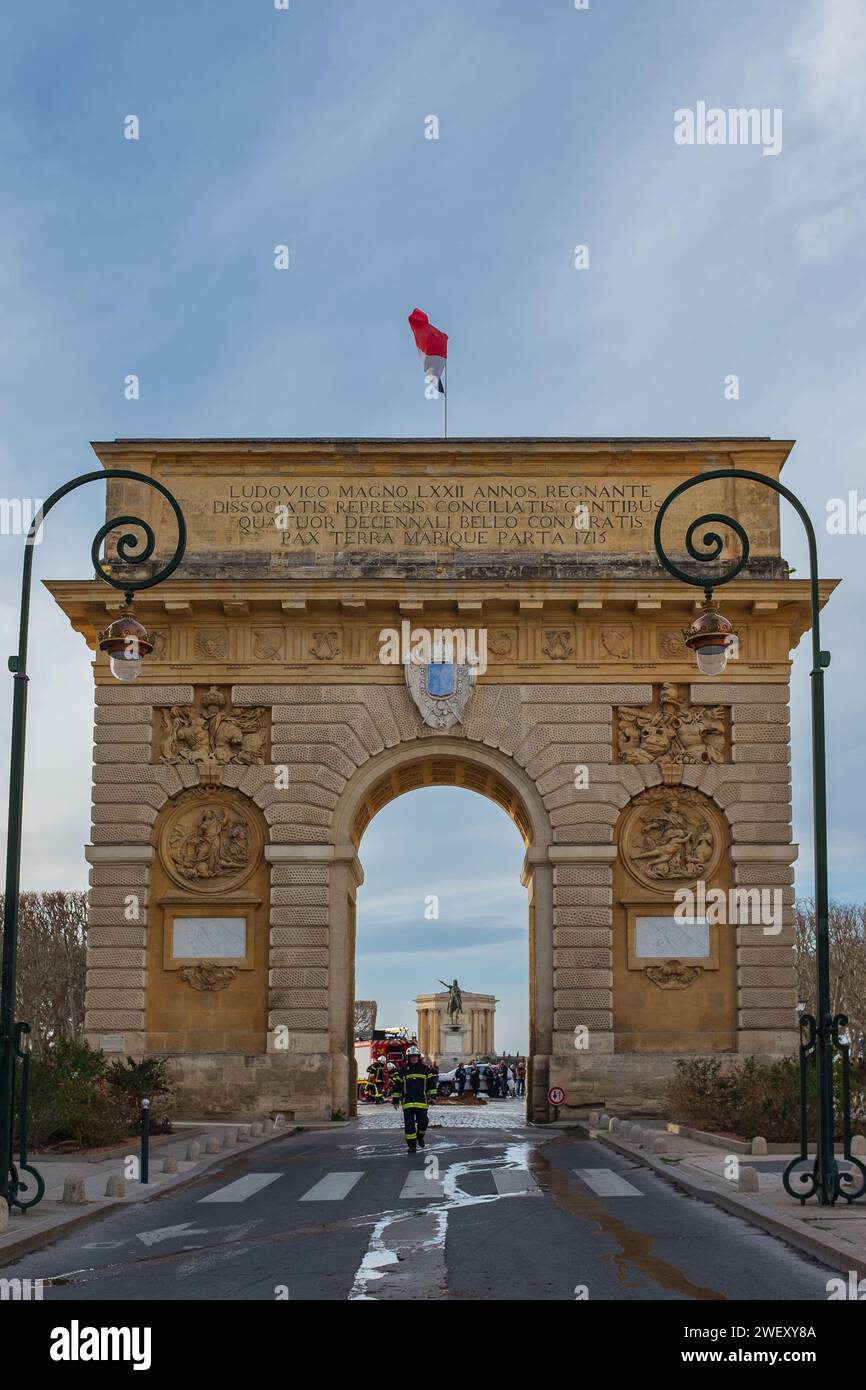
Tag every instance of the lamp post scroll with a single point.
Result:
(712, 637)
(126, 642)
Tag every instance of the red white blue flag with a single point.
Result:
(432, 347)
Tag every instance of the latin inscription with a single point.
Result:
(419, 514)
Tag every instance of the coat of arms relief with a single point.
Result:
(675, 731)
(213, 731)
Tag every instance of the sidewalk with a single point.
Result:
(834, 1235)
(51, 1218)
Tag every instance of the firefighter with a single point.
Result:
(375, 1078)
(414, 1087)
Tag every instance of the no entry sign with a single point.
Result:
(556, 1095)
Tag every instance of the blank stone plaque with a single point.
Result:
(661, 938)
(209, 937)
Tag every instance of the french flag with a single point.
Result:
(432, 346)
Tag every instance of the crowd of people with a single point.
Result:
(500, 1079)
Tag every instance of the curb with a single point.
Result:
(835, 1258)
(14, 1243)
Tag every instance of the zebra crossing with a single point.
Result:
(422, 1184)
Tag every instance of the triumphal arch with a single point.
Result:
(308, 667)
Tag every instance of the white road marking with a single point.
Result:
(332, 1188)
(509, 1181)
(606, 1183)
(419, 1185)
(170, 1232)
(242, 1188)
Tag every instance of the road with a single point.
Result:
(492, 1209)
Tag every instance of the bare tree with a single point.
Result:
(847, 960)
(365, 1017)
(50, 982)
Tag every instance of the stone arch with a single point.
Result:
(444, 762)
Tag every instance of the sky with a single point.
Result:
(305, 127)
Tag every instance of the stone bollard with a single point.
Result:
(230, 1138)
(115, 1187)
(605, 1120)
(243, 1134)
(748, 1179)
(858, 1144)
(256, 1129)
(636, 1135)
(4, 1218)
(169, 1165)
(193, 1151)
(614, 1126)
(212, 1146)
(73, 1192)
(593, 1117)
(759, 1145)
(660, 1145)
(625, 1129)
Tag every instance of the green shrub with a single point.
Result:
(71, 1102)
(751, 1097)
(79, 1100)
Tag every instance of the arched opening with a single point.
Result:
(526, 1030)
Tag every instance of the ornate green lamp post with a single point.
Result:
(126, 642)
(712, 638)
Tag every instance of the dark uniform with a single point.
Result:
(375, 1079)
(414, 1087)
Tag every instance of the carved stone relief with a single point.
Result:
(672, 974)
(211, 644)
(212, 731)
(325, 646)
(210, 842)
(616, 642)
(670, 838)
(675, 731)
(557, 644)
(208, 975)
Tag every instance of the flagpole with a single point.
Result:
(446, 411)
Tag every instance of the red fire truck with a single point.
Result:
(390, 1045)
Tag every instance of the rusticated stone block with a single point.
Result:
(97, 999)
(765, 1018)
(114, 1020)
(118, 978)
(297, 875)
(730, 694)
(582, 875)
(769, 998)
(109, 937)
(582, 979)
(760, 753)
(569, 1019)
(298, 978)
(581, 917)
(759, 714)
(298, 998)
(115, 917)
(582, 897)
(306, 895)
(592, 999)
(295, 957)
(581, 960)
(299, 936)
(143, 694)
(303, 1020)
(760, 977)
(299, 916)
(127, 878)
(583, 938)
